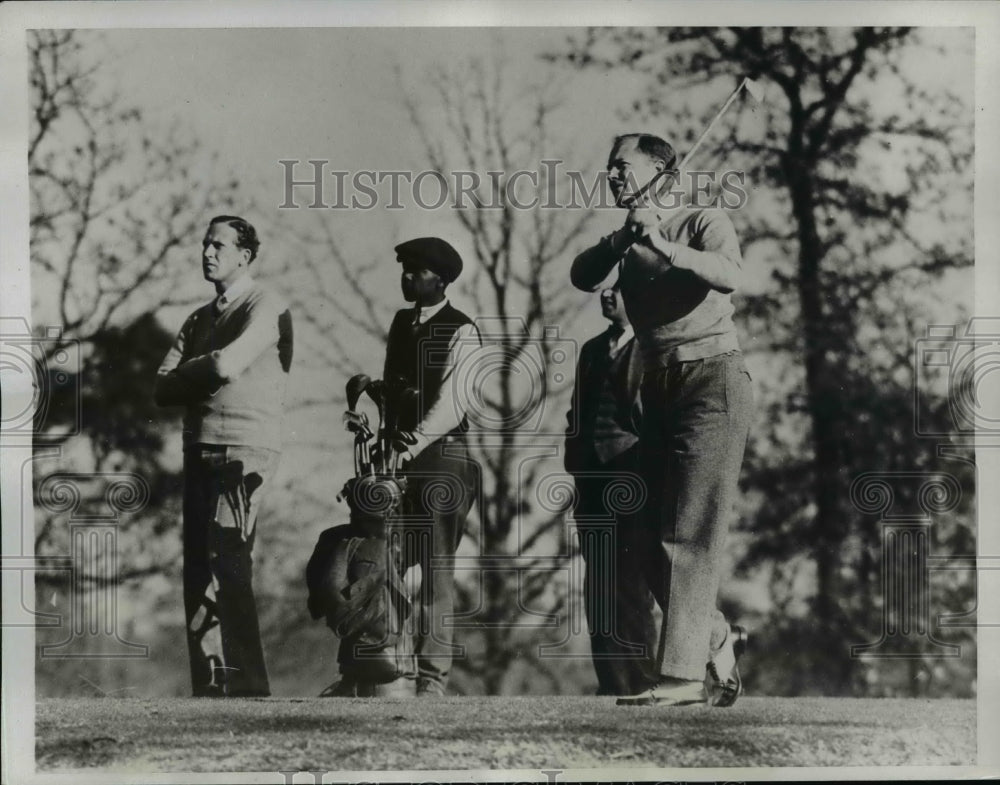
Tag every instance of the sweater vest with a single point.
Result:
(420, 355)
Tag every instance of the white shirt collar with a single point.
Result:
(626, 334)
(429, 311)
(236, 288)
(622, 339)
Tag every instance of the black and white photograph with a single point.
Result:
(499, 391)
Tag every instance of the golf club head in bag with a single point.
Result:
(357, 422)
(375, 493)
(355, 386)
(376, 391)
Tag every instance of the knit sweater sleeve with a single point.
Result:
(593, 265)
(175, 384)
(711, 251)
(259, 333)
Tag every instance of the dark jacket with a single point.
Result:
(605, 412)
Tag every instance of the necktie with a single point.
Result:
(415, 325)
(615, 335)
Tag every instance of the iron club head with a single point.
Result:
(755, 89)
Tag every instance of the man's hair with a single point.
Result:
(650, 145)
(246, 235)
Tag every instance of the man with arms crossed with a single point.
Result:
(677, 270)
(229, 368)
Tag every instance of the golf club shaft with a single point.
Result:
(675, 174)
(365, 455)
(704, 134)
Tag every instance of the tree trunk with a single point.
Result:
(823, 400)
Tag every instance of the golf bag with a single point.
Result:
(354, 575)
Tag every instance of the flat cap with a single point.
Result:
(433, 254)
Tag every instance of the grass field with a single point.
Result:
(463, 733)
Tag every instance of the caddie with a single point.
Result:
(429, 347)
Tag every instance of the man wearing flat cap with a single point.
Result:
(428, 346)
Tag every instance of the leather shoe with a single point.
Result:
(399, 688)
(428, 688)
(668, 692)
(724, 681)
(345, 688)
(348, 688)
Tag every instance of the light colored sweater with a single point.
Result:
(681, 308)
(229, 368)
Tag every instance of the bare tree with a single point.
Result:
(480, 122)
(860, 203)
(113, 205)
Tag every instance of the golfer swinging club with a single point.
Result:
(678, 268)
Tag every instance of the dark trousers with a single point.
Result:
(223, 486)
(442, 483)
(616, 598)
(696, 417)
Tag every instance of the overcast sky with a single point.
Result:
(259, 96)
(256, 96)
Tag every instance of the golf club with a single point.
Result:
(753, 88)
(356, 385)
(407, 400)
(393, 390)
(376, 391)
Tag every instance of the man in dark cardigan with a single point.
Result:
(602, 451)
